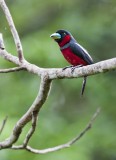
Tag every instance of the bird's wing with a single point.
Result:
(81, 52)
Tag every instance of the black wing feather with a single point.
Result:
(80, 52)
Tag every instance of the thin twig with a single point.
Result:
(12, 69)
(13, 30)
(66, 145)
(89, 125)
(32, 129)
(3, 125)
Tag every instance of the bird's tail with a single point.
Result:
(83, 85)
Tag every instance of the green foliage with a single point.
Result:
(93, 24)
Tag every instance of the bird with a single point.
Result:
(72, 51)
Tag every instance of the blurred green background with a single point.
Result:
(65, 113)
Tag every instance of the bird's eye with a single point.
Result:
(64, 34)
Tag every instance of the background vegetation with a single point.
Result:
(93, 24)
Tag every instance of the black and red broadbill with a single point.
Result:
(72, 51)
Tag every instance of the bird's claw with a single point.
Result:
(66, 67)
(72, 67)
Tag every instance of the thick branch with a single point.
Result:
(55, 73)
(13, 29)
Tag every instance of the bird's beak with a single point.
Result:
(55, 36)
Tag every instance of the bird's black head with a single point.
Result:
(61, 35)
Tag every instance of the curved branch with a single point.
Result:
(32, 129)
(13, 30)
(35, 107)
(66, 145)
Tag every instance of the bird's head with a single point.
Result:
(61, 37)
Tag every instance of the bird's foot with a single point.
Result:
(72, 67)
(67, 67)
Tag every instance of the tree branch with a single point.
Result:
(13, 30)
(32, 129)
(35, 107)
(1, 42)
(55, 73)
(12, 69)
(66, 145)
